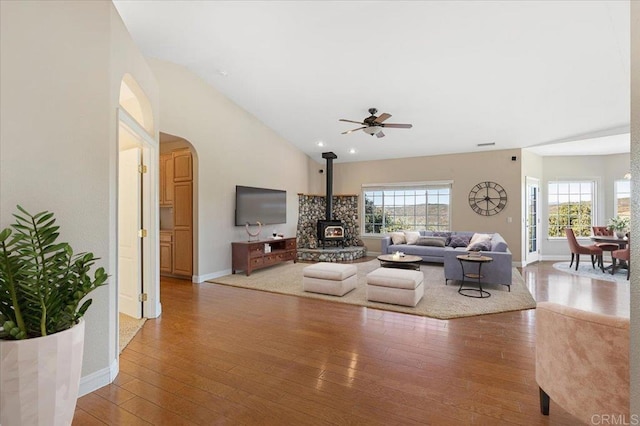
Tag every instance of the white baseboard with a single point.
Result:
(100, 378)
(556, 258)
(202, 278)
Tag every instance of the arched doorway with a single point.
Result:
(178, 207)
(138, 286)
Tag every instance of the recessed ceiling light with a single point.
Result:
(352, 151)
(222, 73)
(320, 143)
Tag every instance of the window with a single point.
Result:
(623, 197)
(570, 205)
(407, 207)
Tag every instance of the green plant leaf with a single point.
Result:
(41, 281)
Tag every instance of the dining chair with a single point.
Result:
(604, 231)
(577, 249)
(622, 255)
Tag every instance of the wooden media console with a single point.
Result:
(249, 255)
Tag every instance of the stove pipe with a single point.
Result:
(329, 156)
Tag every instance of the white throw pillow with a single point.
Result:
(479, 237)
(479, 242)
(398, 238)
(411, 237)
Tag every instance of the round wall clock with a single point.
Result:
(487, 198)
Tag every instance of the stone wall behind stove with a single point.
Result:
(311, 208)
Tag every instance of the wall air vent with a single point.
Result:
(487, 144)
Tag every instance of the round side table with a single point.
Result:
(478, 260)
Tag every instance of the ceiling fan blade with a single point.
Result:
(350, 121)
(397, 125)
(382, 117)
(353, 130)
(380, 134)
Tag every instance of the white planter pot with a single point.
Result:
(39, 378)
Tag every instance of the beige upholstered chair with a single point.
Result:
(582, 361)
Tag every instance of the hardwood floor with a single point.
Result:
(224, 355)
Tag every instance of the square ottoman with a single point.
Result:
(329, 278)
(395, 286)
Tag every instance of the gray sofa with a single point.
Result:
(497, 272)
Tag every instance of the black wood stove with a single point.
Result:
(329, 229)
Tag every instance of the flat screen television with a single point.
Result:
(253, 205)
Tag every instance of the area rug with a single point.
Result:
(128, 328)
(439, 301)
(586, 270)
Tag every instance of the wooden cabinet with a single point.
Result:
(249, 255)
(182, 253)
(183, 228)
(182, 166)
(183, 204)
(176, 190)
(166, 179)
(166, 252)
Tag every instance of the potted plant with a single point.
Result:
(619, 225)
(42, 288)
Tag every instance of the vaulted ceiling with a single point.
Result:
(512, 74)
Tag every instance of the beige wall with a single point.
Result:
(233, 148)
(317, 180)
(465, 170)
(60, 69)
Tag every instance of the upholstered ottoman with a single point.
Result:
(329, 278)
(395, 286)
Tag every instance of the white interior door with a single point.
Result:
(532, 221)
(129, 223)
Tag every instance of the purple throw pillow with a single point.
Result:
(459, 241)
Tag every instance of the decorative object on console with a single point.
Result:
(487, 198)
(255, 235)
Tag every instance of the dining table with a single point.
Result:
(621, 242)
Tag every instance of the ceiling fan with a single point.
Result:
(373, 125)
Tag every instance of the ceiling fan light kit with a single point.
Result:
(373, 124)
